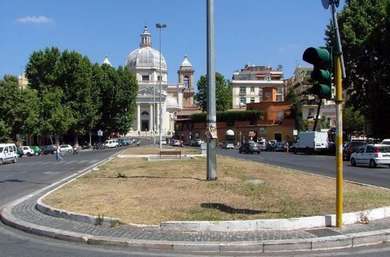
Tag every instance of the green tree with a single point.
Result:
(75, 79)
(296, 109)
(364, 29)
(223, 92)
(55, 117)
(352, 121)
(42, 69)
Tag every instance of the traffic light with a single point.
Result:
(321, 75)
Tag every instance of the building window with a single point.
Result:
(186, 82)
(252, 100)
(158, 78)
(145, 77)
(242, 100)
(252, 89)
(242, 90)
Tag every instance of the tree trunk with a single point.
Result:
(90, 138)
(57, 139)
(76, 140)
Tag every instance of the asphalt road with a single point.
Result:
(31, 174)
(318, 164)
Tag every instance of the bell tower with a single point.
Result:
(186, 76)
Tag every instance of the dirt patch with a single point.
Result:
(156, 150)
(138, 191)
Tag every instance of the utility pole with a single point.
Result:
(339, 75)
(211, 108)
(160, 26)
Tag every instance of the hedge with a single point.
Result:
(229, 116)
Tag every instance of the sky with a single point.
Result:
(247, 31)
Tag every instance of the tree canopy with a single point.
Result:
(223, 93)
(365, 32)
(67, 94)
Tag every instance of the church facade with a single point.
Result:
(145, 63)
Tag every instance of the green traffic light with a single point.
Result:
(319, 57)
(322, 76)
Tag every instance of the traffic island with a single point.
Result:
(137, 191)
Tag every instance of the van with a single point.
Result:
(311, 141)
(8, 153)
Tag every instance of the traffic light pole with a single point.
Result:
(339, 75)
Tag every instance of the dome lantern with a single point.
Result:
(146, 38)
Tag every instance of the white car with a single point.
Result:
(66, 148)
(8, 153)
(386, 142)
(111, 143)
(26, 150)
(372, 155)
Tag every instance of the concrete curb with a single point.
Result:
(277, 224)
(60, 213)
(310, 244)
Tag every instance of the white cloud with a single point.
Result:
(34, 19)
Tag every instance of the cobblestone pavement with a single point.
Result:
(27, 212)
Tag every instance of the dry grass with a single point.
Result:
(156, 150)
(138, 191)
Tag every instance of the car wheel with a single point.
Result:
(353, 162)
(372, 164)
(14, 160)
(1, 161)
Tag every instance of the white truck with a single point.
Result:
(311, 141)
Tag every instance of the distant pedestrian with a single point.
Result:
(58, 153)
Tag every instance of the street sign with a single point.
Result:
(100, 133)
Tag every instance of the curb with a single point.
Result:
(310, 244)
(267, 246)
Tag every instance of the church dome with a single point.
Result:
(145, 56)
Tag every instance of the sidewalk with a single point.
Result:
(23, 214)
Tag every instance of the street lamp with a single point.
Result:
(160, 27)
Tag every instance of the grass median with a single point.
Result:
(150, 192)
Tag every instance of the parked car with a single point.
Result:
(176, 142)
(372, 155)
(196, 142)
(280, 147)
(262, 143)
(111, 143)
(49, 149)
(27, 150)
(36, 149)
(271, 145)
(228, 145)
(249, 147)
(66, 149)
(352, 147)
(124, 141)
(386, 142)
(8, 153)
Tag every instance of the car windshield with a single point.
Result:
(1, 149)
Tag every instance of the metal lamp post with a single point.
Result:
(211, 107)
(160, 27)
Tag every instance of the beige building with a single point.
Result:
(252, 83)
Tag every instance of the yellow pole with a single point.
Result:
(339, 143)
